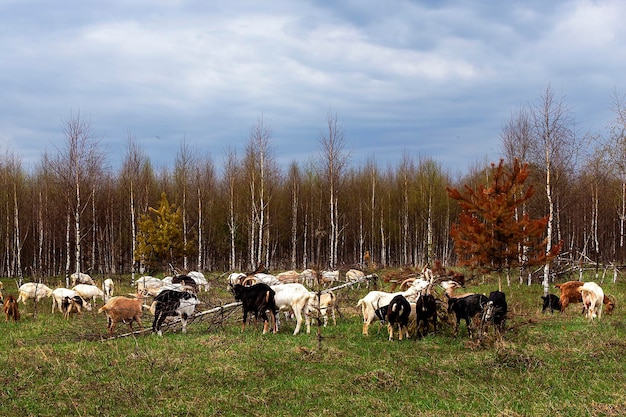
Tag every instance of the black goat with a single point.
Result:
(495, 311)
(466, 308)
(256, 299)
(398, 312)
(425, 309)
(551, 302)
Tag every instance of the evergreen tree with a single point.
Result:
(489, 236)
(160, 237)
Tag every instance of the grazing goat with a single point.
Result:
(58, 295)
(398, 312)
(201, 281)
(374, 300)
(11, 310)
(466, 308)
(319, 307)
(593, 297)
(80, 278)
(289, 277)
(149, 285)
(550, 302)
(354, 275)
(495, 311)
(107, 288)
(89, 292)
(173, 303)
(33, 290)
(329, 277)
(570, 294)
(123, 310)
(294, 297)
(425, 309)
(256, 299)
(75, 303)
(309, 277)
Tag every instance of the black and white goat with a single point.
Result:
(172, 303)
(398, 312)
(495, 311)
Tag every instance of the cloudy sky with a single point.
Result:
(432, 78)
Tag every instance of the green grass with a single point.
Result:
(557, 365)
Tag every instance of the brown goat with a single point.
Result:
(122, 309)
(11, 309)
(570, 294)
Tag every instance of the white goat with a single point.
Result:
(33, 290)
(316, 308)
(198, 277)
(58, 295)
(292, 296)
(593, 297)
(377, 299)
(236, 278)
(81, 278)
(107, 288)
(149, 285)
(89, 292)
(354, 275)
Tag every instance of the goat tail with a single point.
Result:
(267, 296)
(360, 303)
(102, 309)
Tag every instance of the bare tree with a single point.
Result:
(76, 166)
(555, 144)
(333, 161)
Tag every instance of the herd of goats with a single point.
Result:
(259, 293)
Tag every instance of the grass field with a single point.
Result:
(546, 365)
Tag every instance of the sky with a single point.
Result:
(424, 79)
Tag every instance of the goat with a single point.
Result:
(398, 312)
(123, 310)
(107, 288)
(425, 309)
(466, 308)
(571, 294)
(495, 311)
(288, 277)
(1, 288)
(33, 290)
(550, 302)
(149, 285)
(11, 309)
(201, 281)
(309, 277)
(172, 303)
(354, 275)
(329, 277)
(80, 278)
(320, 306)
(89, 292)
(374, 300)
(75, 303)
(593, 297)
(186, 282)
(293, 297)
(58, 295)
(256, 299)
(236, 278)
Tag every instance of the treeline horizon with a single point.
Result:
(71, 213)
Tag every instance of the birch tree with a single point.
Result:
(555, 144)
(76, 166)
(333, 161)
